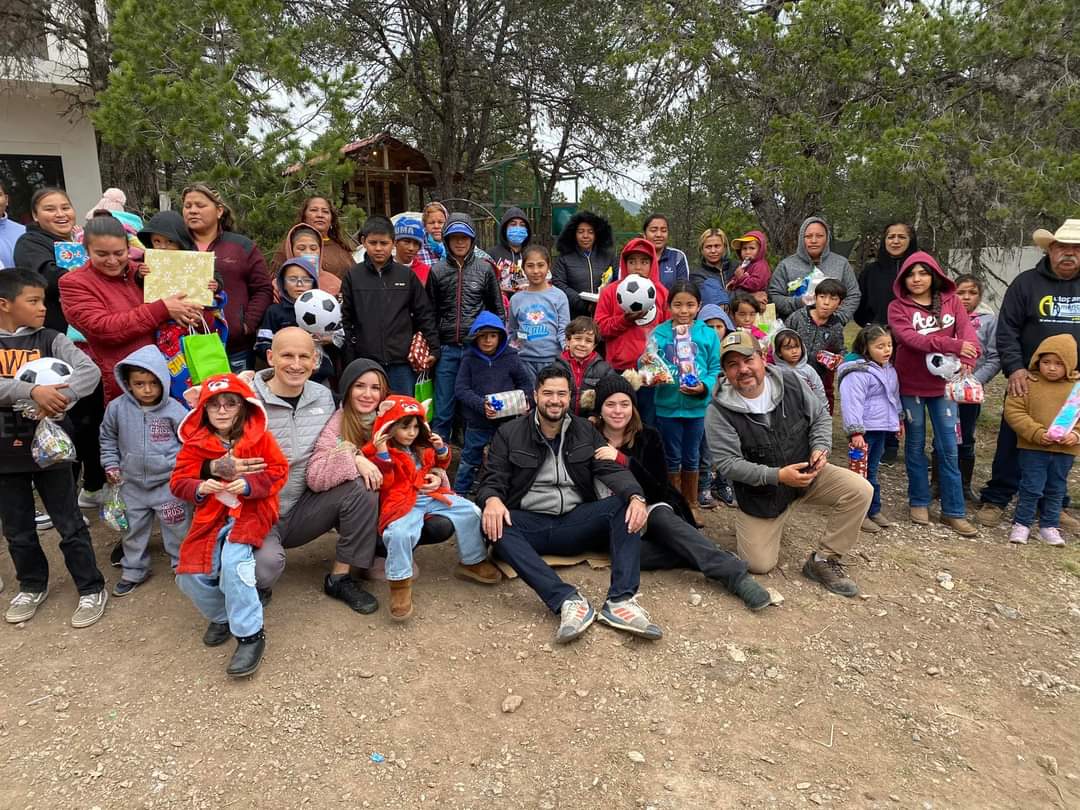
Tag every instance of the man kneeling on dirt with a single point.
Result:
(771, 437)
(538, 493)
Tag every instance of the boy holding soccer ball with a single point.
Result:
(23, 339)
(294, 278)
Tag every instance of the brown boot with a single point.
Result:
(483, 572)
(400, 599)
(961, 525)
(689, 491)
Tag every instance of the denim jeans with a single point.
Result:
(596, 525)
(402, 535)
(875, 449)
(670, 542)
(535, 366)
(445, 379)
(969, 416)
(1044, 480)
(472, 456)
(227, 593)
(704, 466)
(943, 416)
(682, 441)
(402, 379)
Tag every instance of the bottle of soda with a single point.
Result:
(857, 460)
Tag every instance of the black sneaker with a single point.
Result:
(217, 633)
(124, 587)
(348, 591)
(265, 595)
(752, 593)
(725, 493)
(248, 656)
(116, 556)
(889, 457)
(830, 574)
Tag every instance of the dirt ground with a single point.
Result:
(913, 696)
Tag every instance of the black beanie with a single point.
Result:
(355, 370)
(613, 384)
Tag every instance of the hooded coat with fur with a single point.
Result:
(575, 271)
(624, 338)
(1031, 414)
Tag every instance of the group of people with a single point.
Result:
(571, 441)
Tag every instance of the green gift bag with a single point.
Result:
(424, 393)
(205, 356)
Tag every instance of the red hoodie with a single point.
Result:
(918, 333)
(623, 338)
(756, 277)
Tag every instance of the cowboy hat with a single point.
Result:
(1067, 234)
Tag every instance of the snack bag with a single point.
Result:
(966, 390)
(829, 360)
(51, 444)
(114, 510)
(685, 356)
(804, 287)
(1067, 416)
(654, 369)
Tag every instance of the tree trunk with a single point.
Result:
(135, 173)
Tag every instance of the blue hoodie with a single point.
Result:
(480, 374)
(139, 440)
(283, 314)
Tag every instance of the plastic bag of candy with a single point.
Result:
(964, 389)
(114, 510)
(51, 444)
(653, 368)
(830, 360)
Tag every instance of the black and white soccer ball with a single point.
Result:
(318, 311)
(635, 295)
(44, 371)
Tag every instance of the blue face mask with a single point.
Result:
(517, 234)
(438, 248)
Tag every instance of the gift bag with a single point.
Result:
(1067, 416)
(204, 356)
(424, 393)
(964, 389)
(51, 444)
(114, 510)
(419, 352)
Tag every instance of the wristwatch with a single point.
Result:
(636, 497)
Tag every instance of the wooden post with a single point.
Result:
(386, 197)
(367, 194)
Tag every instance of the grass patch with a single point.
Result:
(1071, 563)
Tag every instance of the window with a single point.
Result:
(22, 175)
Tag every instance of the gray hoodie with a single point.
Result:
(139, 440)
(793, 269)
(803, 367)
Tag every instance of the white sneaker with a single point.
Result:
(90, 608)
(1051, 536)
(42, 521)
(90, 500)
(24, 606)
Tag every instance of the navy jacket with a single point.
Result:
(480, 374)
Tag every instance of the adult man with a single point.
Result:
(10, 231)
(296, 412)
(813, 253)
(771, 437)
(1038, 304)
(539, 495)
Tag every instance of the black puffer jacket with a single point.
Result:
(462, 290)
(573, 272)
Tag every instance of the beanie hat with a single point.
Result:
(357, 369)
(113, 199)
(409, 228)
(611, 384)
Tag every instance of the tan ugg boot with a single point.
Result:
(401, 606)
(689, 491)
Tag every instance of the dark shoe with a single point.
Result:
(217, 633)
(116, 556)
(265, 595)
(124, 587)
(967, 470)
(890, 455)
(248, 656)
(830, 574)
(348, 591)
(725, 493)
(753, 595)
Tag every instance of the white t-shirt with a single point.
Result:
(762, 403)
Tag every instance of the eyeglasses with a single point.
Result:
(307, 281)
(224, 404)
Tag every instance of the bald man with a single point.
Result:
(297, 410)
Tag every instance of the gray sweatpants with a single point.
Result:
(350, 508)
(140, 506)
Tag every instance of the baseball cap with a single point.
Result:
(741, 342)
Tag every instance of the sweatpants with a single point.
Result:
(140, 507)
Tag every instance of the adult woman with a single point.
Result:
(669, 539)
(434, 217)
(54, 221)
(240, 264)
(673, 264)
(714, 274)
(336, 257)
(586, 249)
(876, 279)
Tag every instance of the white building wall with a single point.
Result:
(1004, 265)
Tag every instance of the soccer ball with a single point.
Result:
(44, 371)
(318, 311)
(636, 294)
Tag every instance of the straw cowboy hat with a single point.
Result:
(1067, 234)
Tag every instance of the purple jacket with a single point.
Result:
(869, 397)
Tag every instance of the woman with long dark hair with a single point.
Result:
(586, 251)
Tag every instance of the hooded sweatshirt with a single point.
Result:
(791, 271)
(918, 333)
(334, 259)
(461, 289)
(756, 276)
(257, 511)
(480, 374)
(36, 250)
(802, 367)
(625, 339)
(508, 258)
(10, 231)
(1032, 414)
(876, 283)
(1037, 305)
(576, 271)
(869, 397)
(141, 441)
(984, 320)
(283, 314)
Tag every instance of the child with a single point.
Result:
(870, 407)
(745, 311)
(925, 318)
(405, 450)
(710, 487)
(788, 349)
(408, 239)
(539, 313)
(217, 561)
(383, 304)
(23, 338)
(969, 290)
(690, 347)
(295, 277)
(624, 334)
(304, 240)
(586, 367)
(1044, 462)
(490, 366)
(138, 447)
(821, 329)
(752, 273)
(515, 233)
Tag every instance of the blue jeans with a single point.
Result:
(704, 466)
(402, 535)
(535, 366)
(682, 441)
(969, 417)
(875, 449)
(472, 456)
(445, 379)
(596, 525)
(1044, 480)
(227, 593)
(646, 405)
(943, 415)
(402, 379)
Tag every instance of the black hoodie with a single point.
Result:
(876, 283)
(1037, 305)
(573, 272)
(503, 251)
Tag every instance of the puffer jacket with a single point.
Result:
(575, 272)
(462, 290)
(713, 282)
(869, 397)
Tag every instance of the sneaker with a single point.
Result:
(830, 574)
(116, 556)
(706, 500)
(91, 500)
(483, 572)
(1051, 535)
(42, 521)
(1019, 533)
(24, 606)
(989, 515)
(726, 493)
(754, 596)
(575, 616)
(920, 515)
(869, 526)
(124, 587)
(349, 591)
(888, 458)
(90, 608)
(1068, 523)
(628, 615)
(881, 520)
(961, 525)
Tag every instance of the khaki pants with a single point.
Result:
(847, 496)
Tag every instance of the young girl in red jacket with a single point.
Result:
(233, 514)
(405, 451)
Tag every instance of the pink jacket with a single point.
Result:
(333, 460)
(756, 277)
